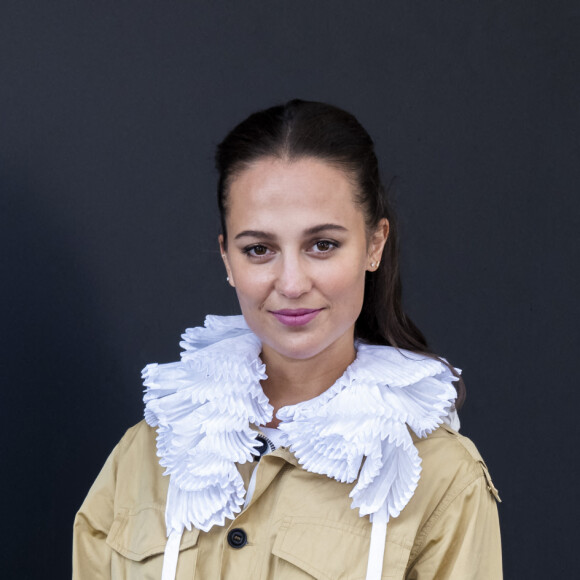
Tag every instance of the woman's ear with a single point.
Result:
(377, 243)
(224, 254)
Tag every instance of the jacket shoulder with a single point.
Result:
(139, 477)
(452, 458)
(140, 436)
(454, 438)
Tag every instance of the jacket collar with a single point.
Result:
(204, 407)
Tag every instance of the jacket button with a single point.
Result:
(262, 448)
(237, 538)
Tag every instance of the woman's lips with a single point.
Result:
(297, 317)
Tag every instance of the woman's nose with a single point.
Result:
(293, 279)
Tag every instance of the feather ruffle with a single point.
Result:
(203, 407)
(364, 416)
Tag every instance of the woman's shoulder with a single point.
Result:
(452, 461)
(139, 435)
(138, 472)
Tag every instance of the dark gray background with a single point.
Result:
(110, 112)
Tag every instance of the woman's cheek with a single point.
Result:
(344, 280)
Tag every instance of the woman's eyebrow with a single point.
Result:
(309, 232)
(324, 228)
(255, 234)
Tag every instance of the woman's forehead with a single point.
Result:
(307, 189)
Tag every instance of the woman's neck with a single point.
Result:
(291, 381)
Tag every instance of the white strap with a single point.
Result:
(251, 488)
(171, 555)
(377, 547)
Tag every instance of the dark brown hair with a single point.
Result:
(302, 129)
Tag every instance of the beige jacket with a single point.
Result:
(298, 525)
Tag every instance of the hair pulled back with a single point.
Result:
(301, 129)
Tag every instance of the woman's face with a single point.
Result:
(297, 255)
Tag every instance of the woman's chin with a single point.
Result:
(307, 346)
(298, 352)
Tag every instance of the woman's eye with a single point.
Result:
(257, 250)
(324, 246)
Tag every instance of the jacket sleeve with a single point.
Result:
(462, 538)
(91, 554)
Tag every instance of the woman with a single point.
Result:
(316, 435)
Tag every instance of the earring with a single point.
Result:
(372, 264)
(227, 278)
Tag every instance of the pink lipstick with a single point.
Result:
(297, 317)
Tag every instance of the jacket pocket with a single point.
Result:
(327, 550)
(139, 534)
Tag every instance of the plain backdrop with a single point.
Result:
(109, 116)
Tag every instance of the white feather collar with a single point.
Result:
(203, 407)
